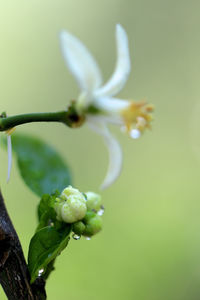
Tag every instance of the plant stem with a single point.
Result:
(68, 117)
(14, 275)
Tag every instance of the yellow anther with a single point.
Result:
(137, 114)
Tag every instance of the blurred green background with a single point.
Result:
(150, 245)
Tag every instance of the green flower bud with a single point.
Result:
(78, 227)
(89, 214)
(70, 206)
(93, 201)
(69, 191)
(93, 223)
(93, 226)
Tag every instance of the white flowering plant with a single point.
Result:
(63, 210)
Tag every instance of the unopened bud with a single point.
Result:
(69, 191)
(93, 224)
(71, 205)
(93, 201)
(78, 227)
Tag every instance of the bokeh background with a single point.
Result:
(150, 245)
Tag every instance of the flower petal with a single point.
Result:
(122, 69)
(80, 62)
(110, 105)
(9, 148)
(114, 150)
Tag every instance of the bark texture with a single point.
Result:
(14, 275)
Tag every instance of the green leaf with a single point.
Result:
(45, 246)
(41, 167)
(46, 212)
(47, 217)
(45, 203)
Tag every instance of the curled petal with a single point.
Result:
(9, 148)
(122, 69)
(111, 105)
(80, 62)
(114, 150)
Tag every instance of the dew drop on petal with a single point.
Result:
(76, 236)
(135, 133)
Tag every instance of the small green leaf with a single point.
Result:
(41, 167)
(43, 205)
(46, 202)
(46, 211)
(49, 216)
(45, 246)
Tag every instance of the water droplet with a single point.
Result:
(101, 211)
(135, 133)
(76, 236)
(88, 238)
(40, 272)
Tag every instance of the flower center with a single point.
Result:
(137, 117)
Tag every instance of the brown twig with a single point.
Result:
(14, 275)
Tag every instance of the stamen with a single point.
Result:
(141, 123)
(137, 114)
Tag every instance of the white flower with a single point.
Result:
(98, 103)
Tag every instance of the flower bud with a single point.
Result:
(71, 205)
(69, 191)
(93, 201)
(78, 227)
(93, 224)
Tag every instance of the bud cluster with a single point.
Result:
(83, 211)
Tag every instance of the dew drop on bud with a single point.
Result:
(40, 272)
(76, 236)
(135, 133)
(101, 211)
